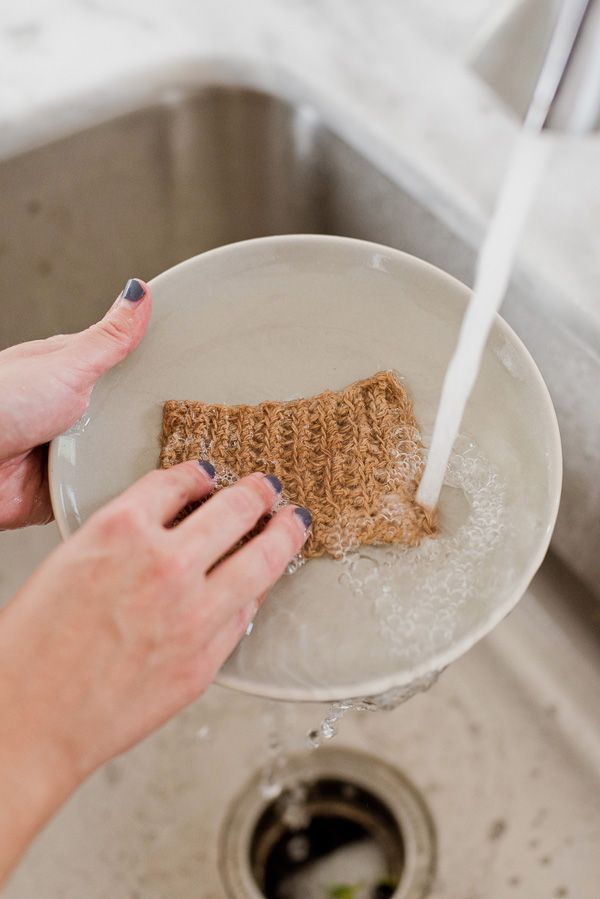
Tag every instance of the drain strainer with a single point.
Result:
(346, 824)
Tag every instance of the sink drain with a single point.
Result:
(346, 826)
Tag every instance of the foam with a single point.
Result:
(442, 571)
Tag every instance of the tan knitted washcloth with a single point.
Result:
(353, 457)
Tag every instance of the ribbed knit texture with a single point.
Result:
(353, 457)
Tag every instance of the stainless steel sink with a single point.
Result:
(506, 748)
(201, 168)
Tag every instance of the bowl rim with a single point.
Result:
(437, 662)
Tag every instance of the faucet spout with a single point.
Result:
(567, 93)
(543, 59)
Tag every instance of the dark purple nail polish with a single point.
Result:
(274, 482)
(208, 467)
(133, 291)
(304, 516)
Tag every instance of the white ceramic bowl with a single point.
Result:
(289, 316)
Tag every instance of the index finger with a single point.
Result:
(163, 493)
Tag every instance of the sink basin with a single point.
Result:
(505, 748)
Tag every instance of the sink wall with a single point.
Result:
(137, 194)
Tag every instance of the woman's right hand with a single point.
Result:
(128, 621)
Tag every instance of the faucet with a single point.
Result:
(543, 58)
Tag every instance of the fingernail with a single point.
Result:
(133, 291)
(274, 482)
(208, 467)
(304, 516)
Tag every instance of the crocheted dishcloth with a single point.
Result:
(352, 456)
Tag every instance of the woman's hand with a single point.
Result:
(45, 387)
(126, 623)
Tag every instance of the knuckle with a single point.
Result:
(271, 558)
(181, 479)
(296, 538)
(289, 534)
(161, 569)
(244, 502)
(154, 481)
(120, 518)
(155, 477)
(115, 328)
(147, 485)
(169, 567)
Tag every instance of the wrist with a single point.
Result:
(34, 782)
(36, 773)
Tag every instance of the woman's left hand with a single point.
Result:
(45, 386)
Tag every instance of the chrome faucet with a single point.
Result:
(543, 59)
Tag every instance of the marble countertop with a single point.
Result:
(395, 74)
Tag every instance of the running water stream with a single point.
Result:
(494, 267)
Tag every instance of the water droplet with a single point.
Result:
(296, 563)
(298, 849)
(328, 730)
(271, 790)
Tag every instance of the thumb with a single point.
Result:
(108, 341)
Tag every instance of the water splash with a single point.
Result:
(271, 779)
(328, 727)
(294, 812)
(384, 702)
(204, 733)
